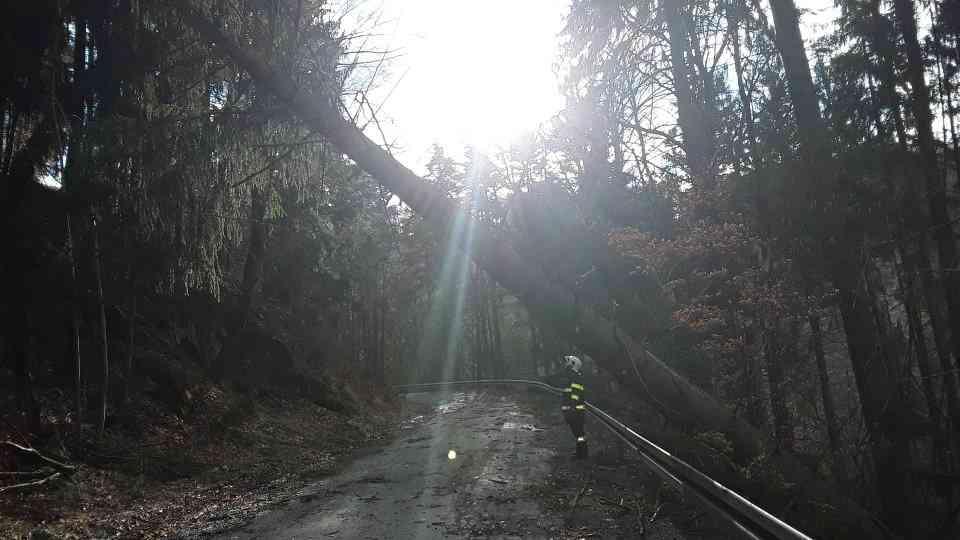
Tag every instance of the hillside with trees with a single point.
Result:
(750, 234)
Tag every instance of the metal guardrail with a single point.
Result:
(751, 520)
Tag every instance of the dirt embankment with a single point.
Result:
(156, 473)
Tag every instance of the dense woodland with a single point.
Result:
(772, 218)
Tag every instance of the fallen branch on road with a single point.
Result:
(604, 500)
(577, 498)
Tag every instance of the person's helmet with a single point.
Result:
(572, 362)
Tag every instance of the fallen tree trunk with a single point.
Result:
(653, 379)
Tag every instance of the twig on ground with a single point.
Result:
(640, 522)
(577, 498)
(38, 473)
(656, 512)
(623, 507)
(50, 478)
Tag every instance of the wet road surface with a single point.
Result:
(464, 469)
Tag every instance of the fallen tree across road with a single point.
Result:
(651, 377)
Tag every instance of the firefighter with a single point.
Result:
(573, 406)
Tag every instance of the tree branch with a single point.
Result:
(35, 483)
(57, 465)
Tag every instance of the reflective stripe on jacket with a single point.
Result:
(575, 393)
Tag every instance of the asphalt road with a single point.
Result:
(462, 470)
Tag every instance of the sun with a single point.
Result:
(473, 73)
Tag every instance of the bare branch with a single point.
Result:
(35, 483)
(58, 465)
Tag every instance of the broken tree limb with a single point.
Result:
(55, 464)
(35, 483)
(32, 474)
(555, 306)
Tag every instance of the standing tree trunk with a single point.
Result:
(803, 94)
(874, 364)
(252, 273)
(829, 409)
(876, 376)
(14, 193)
(71, 177)
(782, 423)
(697, 135)
(131, 334)
(495, 321)
(75, 322)
(932, 295)
(104, 344)
(746, 100)
(934, 183)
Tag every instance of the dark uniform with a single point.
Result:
(574, 410)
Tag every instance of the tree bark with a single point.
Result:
(829, 409)
(876, 377)
(131, 339)
(104, 344)
(497, 338)
(746, 100)
(813, 140)
(697, 133)
(782, 423)
(252, 274)
(71, 177)
(75, 322)
(933, 295)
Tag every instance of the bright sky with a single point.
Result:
(474, 72)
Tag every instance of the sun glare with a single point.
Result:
(473, 73)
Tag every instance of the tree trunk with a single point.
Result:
(755, 411)
(252, 274)
(932, 293)
(497, 338)
(876, 377)
(382, 324)
(782, 423)
(799, 81)
(14, 194)
(592, 333)
(934, 183)
(104, 344)
(829, 409)
(746, 101)
(876, 372)
(253, 267)
(697, 134)
(906, 275)
(911, 304)
(75, 322)
(71, 178)
(131, 335)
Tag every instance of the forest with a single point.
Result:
(750, 235)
